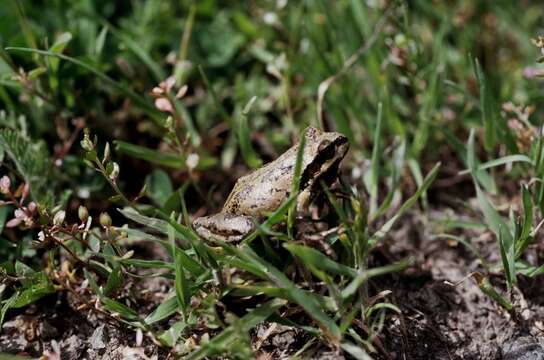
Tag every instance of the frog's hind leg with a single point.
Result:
(224, 226)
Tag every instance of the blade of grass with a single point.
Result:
(291, 214)
(489, 290)
(407, 204)
(315, 258)
(493, 219)
(509, 159)
(485, 105)
(244, 139)
(525, 237)
(485, 180)
(363, 276)
(375, 164)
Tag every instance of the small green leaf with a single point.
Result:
(159, 187)
(119, 308)
(100, 41)
(36, 73)
(115, 280)
(166, 309)
(58, 47)
(33, 293)
(7, 305)
(171, 336)
(4, 212)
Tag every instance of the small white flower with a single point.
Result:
(270, 18)
(192, 161)
(59, 217)
(114, 172)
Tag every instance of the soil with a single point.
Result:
(444, 313)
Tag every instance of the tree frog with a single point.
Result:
(265, 189)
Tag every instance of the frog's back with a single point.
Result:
(264, 189)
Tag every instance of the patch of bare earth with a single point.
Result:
(444, 313)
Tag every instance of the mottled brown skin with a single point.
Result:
(265, 189)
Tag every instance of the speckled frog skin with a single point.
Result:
(265, 189)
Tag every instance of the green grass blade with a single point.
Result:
(296, 183)
(493, 219)
(509, 159)
(489, 290)
(175, 161)
(183, 294)
(315, 258)
(244, 139)
(525, 237)
(485, 180)
(486, 107)
(375, 164)
(407, 204)
(363, 276)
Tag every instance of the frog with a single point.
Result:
(264, 190)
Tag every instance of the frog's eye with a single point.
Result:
(325, 150)
(323, 145)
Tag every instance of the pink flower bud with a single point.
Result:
(32, 207)
(164, 105)
(5, 184)
(182, 91)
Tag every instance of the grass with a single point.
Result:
(419, 102)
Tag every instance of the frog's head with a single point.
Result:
(322, 155)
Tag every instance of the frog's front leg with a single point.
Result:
(223, 226)
(303, 201)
